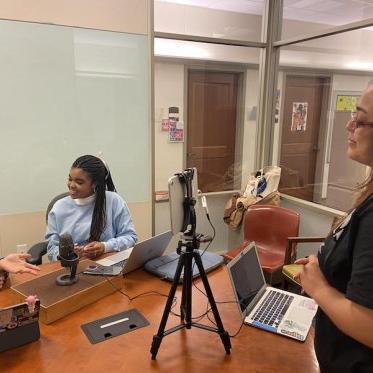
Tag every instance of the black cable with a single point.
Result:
(147, 293)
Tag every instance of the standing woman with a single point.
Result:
(340, 278)
(94, 214)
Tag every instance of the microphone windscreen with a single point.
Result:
(66, 247)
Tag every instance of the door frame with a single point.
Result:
(320, 168)
(240, 114)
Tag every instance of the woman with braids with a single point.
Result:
(340, 278)
(94, 214)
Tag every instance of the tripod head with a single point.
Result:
(186, 178)
(182, 187)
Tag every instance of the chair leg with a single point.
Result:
(285, 284)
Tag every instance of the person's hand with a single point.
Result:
(310, 276)
(94, 249)
(16, 263)
(79, 250)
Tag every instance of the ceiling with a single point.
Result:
(332, 12)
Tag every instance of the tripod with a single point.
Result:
(191, 244)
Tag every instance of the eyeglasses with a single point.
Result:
(358, 123)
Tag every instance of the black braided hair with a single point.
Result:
(100, 175)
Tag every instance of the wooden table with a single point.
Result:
(63, 346)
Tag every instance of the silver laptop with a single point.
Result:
(265, 307)
(131, 259)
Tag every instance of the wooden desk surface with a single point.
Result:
(63, 347)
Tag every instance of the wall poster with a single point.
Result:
(299, 116)
(346, 102)
(176, 131)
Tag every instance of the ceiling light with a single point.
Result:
(176, 48)
(356, 65)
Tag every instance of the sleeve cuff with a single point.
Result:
(107, 248)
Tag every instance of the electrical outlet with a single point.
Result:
(22, 248)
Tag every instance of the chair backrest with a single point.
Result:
(39, 249)
(270, 226)
(52, 202)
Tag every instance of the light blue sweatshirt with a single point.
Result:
(67, 216)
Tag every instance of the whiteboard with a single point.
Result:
(67, 92)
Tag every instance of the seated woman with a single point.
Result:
(94, 214)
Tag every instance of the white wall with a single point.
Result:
(114, 15)
(169, 91)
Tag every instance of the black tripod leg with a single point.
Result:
(183, 299)
(224, 336)
(187, 289)
(157, 339)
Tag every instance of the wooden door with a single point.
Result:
(300, 134)
(211, 130)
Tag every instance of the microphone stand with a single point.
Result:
(72, 278)
(188, 250)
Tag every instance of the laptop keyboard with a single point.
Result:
(273, 308)
(122, 263)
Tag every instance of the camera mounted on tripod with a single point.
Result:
(186, 179)
(181, 194)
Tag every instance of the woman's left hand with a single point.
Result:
(310, 277)
(94, 249)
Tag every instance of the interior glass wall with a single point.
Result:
(67, 92)
(307, 16)
(234, 19)
(320, 82)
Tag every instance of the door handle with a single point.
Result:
(315, 148)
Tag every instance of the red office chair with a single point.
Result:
(270, 226)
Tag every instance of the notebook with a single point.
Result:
(265, 307)
(131, 259)
(18, 326)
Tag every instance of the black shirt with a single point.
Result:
(346, 260)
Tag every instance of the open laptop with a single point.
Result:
(131, 259)
(265, 307)
(18, 326)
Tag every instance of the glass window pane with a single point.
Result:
(304, 16)
(229, 19)
(215, 106)
(315, 106)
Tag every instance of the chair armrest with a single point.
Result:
(292, 241)
(305, 239)
(228, 256)
(37, 251)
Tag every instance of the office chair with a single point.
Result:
(270, 226)
(39, 249)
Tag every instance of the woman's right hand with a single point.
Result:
(78, 249)
(310, 276)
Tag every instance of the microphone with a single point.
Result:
(66, 246)
(68, 259)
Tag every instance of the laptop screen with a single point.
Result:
(247, 276)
